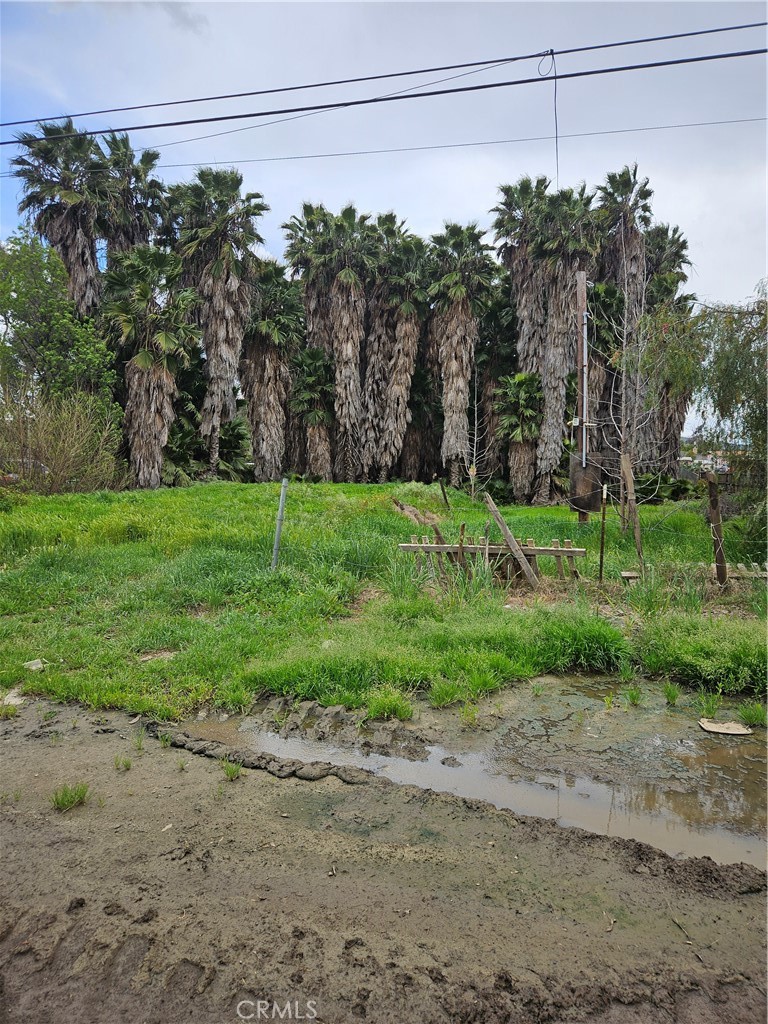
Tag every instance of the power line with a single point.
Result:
(422, 95)
(444, 145)
(393, 74)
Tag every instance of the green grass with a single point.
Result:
(232, 769)
(67, 797)
(671, 693)
(8, 711)
(160, 602)
(753, 713)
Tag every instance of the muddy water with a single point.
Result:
(647, 773)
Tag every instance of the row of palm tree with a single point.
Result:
(373, 353)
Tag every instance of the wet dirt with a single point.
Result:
(173, 895)
(647, 772)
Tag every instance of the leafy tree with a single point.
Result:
(732, 395)
(519, 404)
(43, 340)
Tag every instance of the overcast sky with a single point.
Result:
(68, 57)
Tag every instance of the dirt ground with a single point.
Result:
(176, 896)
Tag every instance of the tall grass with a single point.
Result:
(98, 584)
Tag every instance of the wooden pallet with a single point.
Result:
(469, 552)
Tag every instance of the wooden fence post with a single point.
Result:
(721, 566)
(511, 543)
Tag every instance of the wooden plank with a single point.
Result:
(493, 549)
(569, 557)
(558, 560)
(419, 555)
(629, 482)
(532, 558)
(460, 553)
(512, 544)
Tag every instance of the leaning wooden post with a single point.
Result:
(717, 530)
(511, 543)
(629, 484)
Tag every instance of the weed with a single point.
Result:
(388, 702)
(753, 713)
(469, 713)
(626, 672)
(709, 703)
(74, 722)
(181, 764)
(67, 797)
(671, 693)
(231, 769)
(55, 737)
(165, 739)
(138, 739)
(608, 700)
(536, 689)
(633, 695)
(122, 764)
(8, 711)
(444, 692)
(48, 716)
(218, 793)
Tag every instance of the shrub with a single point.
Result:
(62, 443)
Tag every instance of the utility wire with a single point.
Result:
(445, 145)
(393, 74)
(416, 96)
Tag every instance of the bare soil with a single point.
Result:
(175, 895)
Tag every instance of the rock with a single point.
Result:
(313, 772)
(352, 776)
(280, 769)
(13, 697)
(451, 762)
(34, 666)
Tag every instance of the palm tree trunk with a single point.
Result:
(522, 469)
(225, 313)
(148, 418)
(457, 332)
(396, 414)
(378, 347)
(319, 461)
(347, 310)
(74, 241)
(265, 380)
(559, 360)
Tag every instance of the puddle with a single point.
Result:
(646, 773)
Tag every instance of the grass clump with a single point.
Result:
(633, 694)
(671, 693)
(388, 702)
(165, 740)
(67, 797)
(8, 711)
(122, 763)
(232, 769)
(752, 713)
(709, 703)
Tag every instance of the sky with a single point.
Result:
(710, 180)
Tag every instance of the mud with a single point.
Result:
(647, 772)
(174, 895)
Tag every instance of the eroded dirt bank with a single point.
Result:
(174, 895)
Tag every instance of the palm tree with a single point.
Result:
(66, 185)
(137, 200)
(152, 319)
(218, 229)
(312, 400)
(276, 330)
(464, 273)
(519, 401)
(568, 241)
(395, 313)
(336, 255)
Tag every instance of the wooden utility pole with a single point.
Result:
(581, 366)
(717, 530)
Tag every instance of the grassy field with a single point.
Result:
(159, 602)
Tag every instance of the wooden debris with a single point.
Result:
(512, 544)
